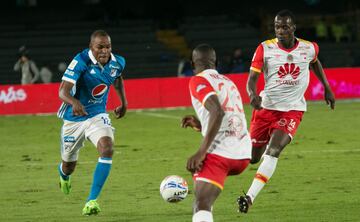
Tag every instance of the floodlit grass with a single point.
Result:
(317, 178)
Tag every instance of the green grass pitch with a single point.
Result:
(317, 178)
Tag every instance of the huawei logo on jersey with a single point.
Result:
(99, 91)
(291, 69)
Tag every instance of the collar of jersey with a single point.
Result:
(92, 57)
(285, 49)
(208, 71)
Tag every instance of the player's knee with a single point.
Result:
(273, 151)
(202, 204)
(108, 152)
(105, 147)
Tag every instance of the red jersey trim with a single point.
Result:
(258, 59)
(316, 47)
(285, 49)
(200, 88)
(255, 69)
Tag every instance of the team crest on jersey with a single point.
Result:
(113, 72)
(99, 91)
(235, 127)
(290, 58)
(291, 69)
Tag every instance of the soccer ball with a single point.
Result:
(173, 189)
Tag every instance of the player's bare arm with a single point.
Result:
(255, 99)
(64, 95)
(216, 113)
(119, 86)
(191, 121)
(319, 72)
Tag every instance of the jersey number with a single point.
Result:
(227, 107)
(106, 121)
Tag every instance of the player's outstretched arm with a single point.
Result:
(255, 99)
(65, 96)
(319, 72)
(119, 86)
(216, 113)
(191, 121)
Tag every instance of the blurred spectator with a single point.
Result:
(321, 30)
(29, 71)
(46, 74)
(350, 58)
(62, 67)
(184, 68)
(223, 64)
(340, 31)
(237, 64)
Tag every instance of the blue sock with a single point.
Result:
(62, 174)
(102, 171)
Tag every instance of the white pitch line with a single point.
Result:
(159, 115)
(160, 159)
(326, 151)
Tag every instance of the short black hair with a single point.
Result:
(287, 13)
(204, 54)
(97, 33)
(204, 48)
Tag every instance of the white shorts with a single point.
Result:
(73, 135)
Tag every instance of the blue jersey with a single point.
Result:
(92, 82)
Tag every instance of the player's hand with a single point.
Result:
(78, 109)
(330, 98)
(195, 162)
(120, 111)
(192, 121)
(255, 101)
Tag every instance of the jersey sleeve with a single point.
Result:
(258, 59)
(200, 88)
(74, 70)
(316, 48)
(121, 61)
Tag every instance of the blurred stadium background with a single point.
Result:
(318, 177)
(155, 36)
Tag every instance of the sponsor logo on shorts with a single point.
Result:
(69, 139)
(282, 122)
(258, 141)
(67, 148)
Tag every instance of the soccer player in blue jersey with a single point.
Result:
(84, 91)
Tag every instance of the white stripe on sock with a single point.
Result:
(203, 216)
(104, 161)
